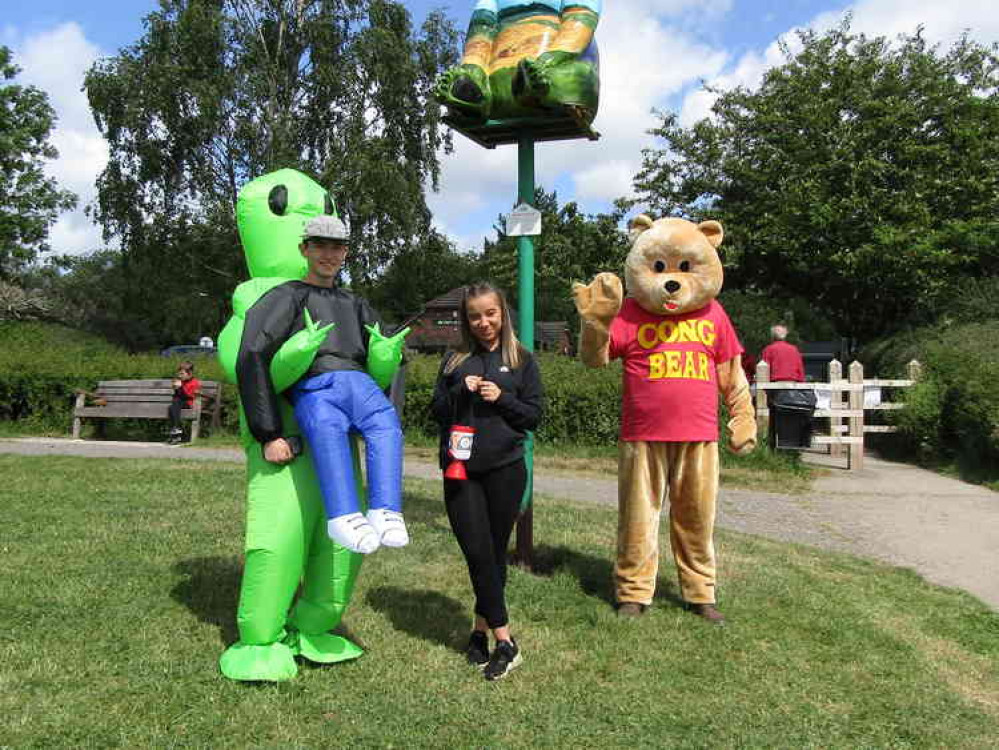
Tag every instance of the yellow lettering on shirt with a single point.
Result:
(706, 332)
(647, 336)
(688, 367)
(657, 366)
(674, 365)
(671, 331)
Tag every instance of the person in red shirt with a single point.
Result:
(185, 388)
(785, 364)
(784, 359)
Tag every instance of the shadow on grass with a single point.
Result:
(425, 614)
(210, 589)
(595, 574)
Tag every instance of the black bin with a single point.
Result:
(792, 412)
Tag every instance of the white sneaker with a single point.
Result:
(353, 531)
(389, 526)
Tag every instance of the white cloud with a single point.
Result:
(55, 61)
(942, 23)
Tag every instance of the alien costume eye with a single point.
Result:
(659, 266)
(328, 206)
(277, 199)
(685, 266)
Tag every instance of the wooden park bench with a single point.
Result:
(145, 399)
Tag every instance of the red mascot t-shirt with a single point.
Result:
(670, 381)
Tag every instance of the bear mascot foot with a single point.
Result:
(322, 648)
(389, 526)
(354, 532)
(465, 91)
(270, 662)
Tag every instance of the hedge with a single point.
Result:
(952, 413)
(42, 365)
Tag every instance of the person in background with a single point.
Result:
(786, 364)
(783, 358)
(492, 384)
(185, 388)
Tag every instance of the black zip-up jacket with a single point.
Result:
(277, 316)
(501, 426)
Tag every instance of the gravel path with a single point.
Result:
(944, 529)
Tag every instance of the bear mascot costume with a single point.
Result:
(679, 351)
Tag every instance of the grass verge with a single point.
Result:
(119, 588)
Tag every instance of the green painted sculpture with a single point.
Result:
(525, 58)
(286, 542)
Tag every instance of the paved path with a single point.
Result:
(945, 529)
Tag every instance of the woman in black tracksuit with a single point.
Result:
(490, 383)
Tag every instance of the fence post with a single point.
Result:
(762, 376)
(914, 370)
(857, 423)
(835, 402)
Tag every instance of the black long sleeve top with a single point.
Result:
(277, 316)
(501, 426)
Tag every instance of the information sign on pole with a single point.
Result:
(523, 221)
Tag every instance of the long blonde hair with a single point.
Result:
(511, 349)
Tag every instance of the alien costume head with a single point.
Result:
(271, 212)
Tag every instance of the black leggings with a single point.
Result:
(482, 510)
(173, 414)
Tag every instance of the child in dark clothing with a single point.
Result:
(185, 388)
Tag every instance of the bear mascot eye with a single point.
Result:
(659, 266)
(277, 200)
(685, 266)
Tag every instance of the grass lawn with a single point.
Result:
(118, 589)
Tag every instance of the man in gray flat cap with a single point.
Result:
(334, 396)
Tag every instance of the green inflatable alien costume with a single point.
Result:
(286, 541)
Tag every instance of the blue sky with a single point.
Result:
(654, 53)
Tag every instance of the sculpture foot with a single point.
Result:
(270, 662)
(465, 91)
(531, 83)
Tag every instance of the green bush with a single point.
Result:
(581, 405)
(42, 365)
(952, 414)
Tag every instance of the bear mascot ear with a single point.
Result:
(713, 231)
(638, 225)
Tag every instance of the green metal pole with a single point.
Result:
(525, 296)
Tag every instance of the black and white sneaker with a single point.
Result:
(505, 657)
(477, 650)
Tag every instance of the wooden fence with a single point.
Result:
(846, 405)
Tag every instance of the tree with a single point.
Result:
(29, 201)
(572, 247)
(420, 274)
(862, 174)
(218, 92)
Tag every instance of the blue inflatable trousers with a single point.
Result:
(327, 407)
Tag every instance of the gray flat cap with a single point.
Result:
(325, 227)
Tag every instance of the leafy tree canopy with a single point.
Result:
(29, 201)
(862, 174)
(218, 92)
